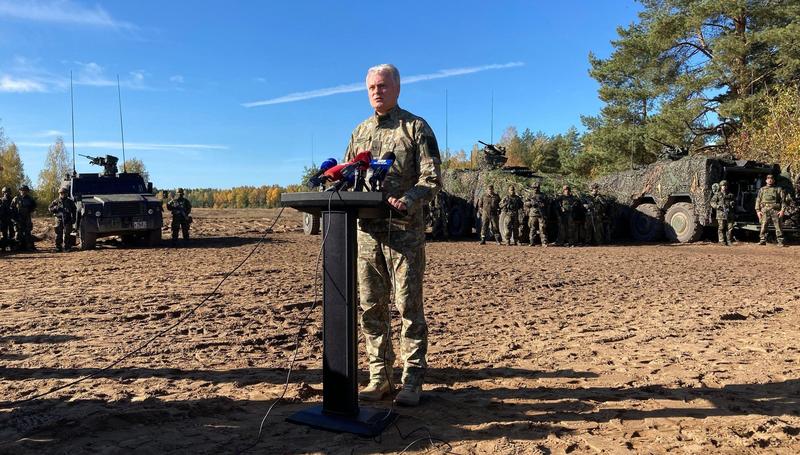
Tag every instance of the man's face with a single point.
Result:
(723, 188)
(770, 181)
(595, 191)
(383, 91)
(565, 191)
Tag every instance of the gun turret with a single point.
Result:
(493, 156)
(108, 162)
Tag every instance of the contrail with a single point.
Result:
(358, 86)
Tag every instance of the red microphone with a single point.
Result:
(346, 170)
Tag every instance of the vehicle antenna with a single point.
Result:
(121, 130)
(491, 140)
(446, 131)
(72, 115)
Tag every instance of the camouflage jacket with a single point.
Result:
(6, 210)
(723, 205)
(24, 206)
(415, 177)
(489, 204)
(771, 197)
(536, 205)
(511, 204)
(597, 207)
(566, 204)
(63, 209)
(180, 207)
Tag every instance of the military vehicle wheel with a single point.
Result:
(153, 237)
(458, 222)
(647, 224)
(88, 240)
(310, 224)
(680, 223)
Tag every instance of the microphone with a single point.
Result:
(315, 181)
(380, 168)
(346, 170)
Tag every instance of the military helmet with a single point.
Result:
(715, 187)
(536, 184)
(24, 188)
(63, 190)
(566, 187)
(179, 191)
(6, 190)
(723, 183)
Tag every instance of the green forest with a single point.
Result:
(714, 77)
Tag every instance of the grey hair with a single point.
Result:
(386, 68)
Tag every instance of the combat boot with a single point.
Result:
(375, 390)
(409, 395)
(497, 239)
(763, 242)
(483, 242)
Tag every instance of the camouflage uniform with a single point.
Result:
(489, 206)
(64, 210)
(511, 205)
(770, 202)
(24, 206)
(566, 225)
(597, 212)
(6, 220)
(723, 203)
(391, 254)
(439, 213)
(536, 206)
(181, 208)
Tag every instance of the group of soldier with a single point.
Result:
(582, 220)
(771, 204)
(16, 223)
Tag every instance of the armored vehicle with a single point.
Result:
(670, 198)
(114, 204)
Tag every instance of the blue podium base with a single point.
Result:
(369, 422)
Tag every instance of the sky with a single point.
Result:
(221, 94)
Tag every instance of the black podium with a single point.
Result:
(340, 212)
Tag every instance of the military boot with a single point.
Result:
(409, 395)
(497, 239)
(762, 242)
(375, 390)
(483, 242)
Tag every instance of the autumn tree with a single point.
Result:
(135, 165)
(57, 167)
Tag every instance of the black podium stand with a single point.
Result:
(340, 212)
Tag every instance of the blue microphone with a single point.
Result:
(315, 181)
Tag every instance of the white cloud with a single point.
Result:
(17, 85)
(177, 79)
(359, 86)
(49, 133)
(138, 146)
(61, 12)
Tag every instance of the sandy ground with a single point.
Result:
(642, 349)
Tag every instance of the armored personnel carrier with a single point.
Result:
(670, 198)
(114, 204)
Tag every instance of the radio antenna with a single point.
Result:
(121, 130)
(72, 115)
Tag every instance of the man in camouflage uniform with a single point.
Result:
(770, 205)
(489, 206)
(6, 220)
(24, 205)
(181, 210)
(511, 205)
(566, 207)
(439, 214)
(64, 210)
(597, 212)
(391, 254)
(536, 206)
(723, 203)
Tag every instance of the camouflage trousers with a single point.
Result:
(511, 227)
(768, 214)
(182, 226)
(725, 230)
(594, 231)
(566, 229)
(24, 235)
(63, 235)
(490, 226)
(6, 233)
(537, 225)
(391, 267)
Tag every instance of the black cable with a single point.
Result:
(164, 331)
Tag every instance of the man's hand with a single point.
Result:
(397, 203)
(758, 214)
(780, 214)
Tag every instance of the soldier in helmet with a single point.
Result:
(24, 205)
(64, 210)
(6, 220)
(511, 206)
(489, 206)
(536, 205)
(181, 209)
(723, 203)
(597, 214)
(770, 206)
(566, 224)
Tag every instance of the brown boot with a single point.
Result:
(409, 395)
(376, 390)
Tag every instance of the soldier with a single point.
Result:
(489, 206)
(391, 254)
(536, 205)
(770, 205)
(439, 216)
(566, 208)
(64, 210)
(181, 210)
(7, 217)
(723, 203)
(596, 216)
(511, 206)
(24, 206)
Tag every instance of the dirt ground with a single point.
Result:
(637, 348)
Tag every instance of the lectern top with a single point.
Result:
(368, 204)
